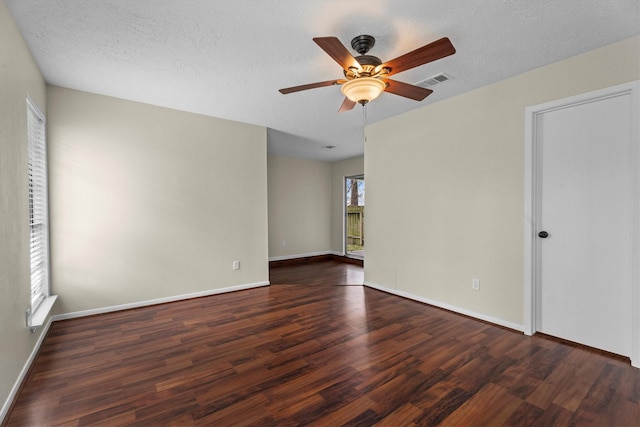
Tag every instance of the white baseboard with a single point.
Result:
(310, 254)
(102, 310)
(480, 316)
(23, 373)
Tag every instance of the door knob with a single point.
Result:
(543, 234)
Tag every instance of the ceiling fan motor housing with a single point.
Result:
(368, 63)
(368, 60)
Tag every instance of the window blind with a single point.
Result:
(38, 212)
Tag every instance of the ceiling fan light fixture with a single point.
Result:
(363, 89)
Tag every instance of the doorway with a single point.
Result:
(582, 231)
(354, 216)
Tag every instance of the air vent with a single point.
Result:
(434, 80)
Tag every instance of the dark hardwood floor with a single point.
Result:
(318, 273)
(316, 355)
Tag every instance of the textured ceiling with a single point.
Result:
(228, 58)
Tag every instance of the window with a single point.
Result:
(38, 213)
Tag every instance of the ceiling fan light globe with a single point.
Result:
(363, 89)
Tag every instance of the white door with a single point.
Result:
(584, 222)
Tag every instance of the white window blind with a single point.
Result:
(38, 212)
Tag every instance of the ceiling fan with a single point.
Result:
(366, 76)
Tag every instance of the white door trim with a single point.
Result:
(530, 209)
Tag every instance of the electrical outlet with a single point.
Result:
(475, 284)
(236, 265)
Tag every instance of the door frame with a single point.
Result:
(531, 200)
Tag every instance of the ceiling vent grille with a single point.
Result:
(434, 80)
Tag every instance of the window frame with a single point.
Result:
(38, 204)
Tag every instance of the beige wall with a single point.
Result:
(445, 185)
(19, 78)
(340, 170)
(148, 202)
(299, 207)
(306, 200)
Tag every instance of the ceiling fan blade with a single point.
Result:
(347, 105)
(337, 51)
(309, 86)
(423, 55)
(407, 90)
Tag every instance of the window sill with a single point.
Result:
(38, 318)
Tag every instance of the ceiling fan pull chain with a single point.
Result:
(364, 123)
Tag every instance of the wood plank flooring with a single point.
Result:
(318, 273)
(291, 355)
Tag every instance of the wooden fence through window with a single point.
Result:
(355, 225)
